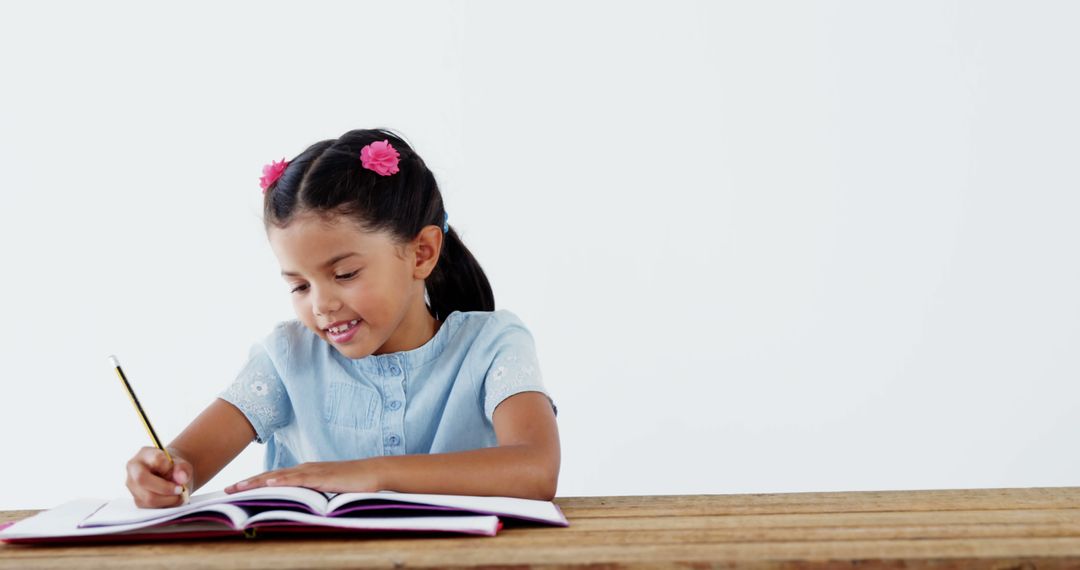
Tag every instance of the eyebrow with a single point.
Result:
(332, 261)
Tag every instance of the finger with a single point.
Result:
(151, 482)
(182, 472)
(155, 459)
(295, 479)
(246, 484)
(257, 481)
(153, 501)
(303, 475)
(146, 499)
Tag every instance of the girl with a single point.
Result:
(398, 374)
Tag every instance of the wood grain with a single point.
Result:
(942, 529)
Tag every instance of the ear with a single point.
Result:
(427, 246)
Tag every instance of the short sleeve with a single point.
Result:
(514, 368)
(259, 393)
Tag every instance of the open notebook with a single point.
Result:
(269, 510)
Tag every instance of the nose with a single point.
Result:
(324, 302)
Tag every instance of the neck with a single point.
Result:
(415, 330)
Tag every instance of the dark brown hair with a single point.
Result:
(328, 179)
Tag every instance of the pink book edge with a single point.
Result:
(266, 529)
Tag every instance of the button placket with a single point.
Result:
(394, 426)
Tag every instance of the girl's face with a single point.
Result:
(366, 286)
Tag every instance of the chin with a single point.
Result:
(351, 352)
(353, 349)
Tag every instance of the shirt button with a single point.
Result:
(396, 404)
(395, 370)
(393, 440)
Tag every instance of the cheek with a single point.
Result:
(365, 304)
(375, 302)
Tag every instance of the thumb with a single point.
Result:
(182, 472)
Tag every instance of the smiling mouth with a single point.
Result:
(341, 329)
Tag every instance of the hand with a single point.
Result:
(154, 482)
(328, 476)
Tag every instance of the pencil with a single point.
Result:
(142, 415)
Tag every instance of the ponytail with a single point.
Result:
(458, 283)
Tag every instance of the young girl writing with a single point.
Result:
(397, 374)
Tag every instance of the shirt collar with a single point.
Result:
(391, 363)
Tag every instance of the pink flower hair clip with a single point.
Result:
(380, 157)
(271, 172)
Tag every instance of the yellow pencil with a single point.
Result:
(142, 416)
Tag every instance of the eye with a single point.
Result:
(344, 277)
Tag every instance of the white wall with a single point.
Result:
(763, 247)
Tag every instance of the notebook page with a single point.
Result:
(511, 507)
(63, 521)
(485, 525)
(124, 511)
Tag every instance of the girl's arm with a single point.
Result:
(212, 440)
(525, 464)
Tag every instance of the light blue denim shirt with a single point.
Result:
(308, 402)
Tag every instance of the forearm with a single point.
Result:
(212, 440)
(509, 471)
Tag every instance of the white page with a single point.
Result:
(124, 511)
(527, 509)
(485, 525)
(63, 521)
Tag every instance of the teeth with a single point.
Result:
(343, 328)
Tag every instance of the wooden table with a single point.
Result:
(985, 528)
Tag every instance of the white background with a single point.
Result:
(762, 246)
